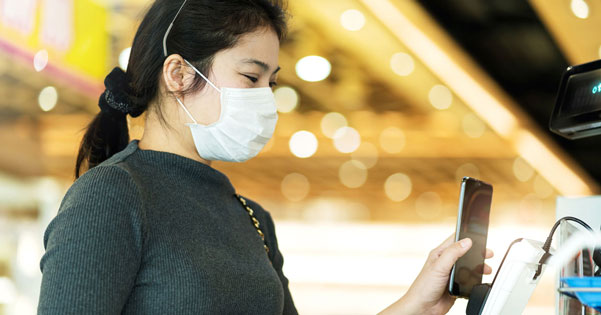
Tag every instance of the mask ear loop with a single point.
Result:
(186, 110)
(202, 75)
(206, 79)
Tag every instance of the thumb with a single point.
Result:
(450, 255)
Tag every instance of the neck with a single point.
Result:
(157, 137)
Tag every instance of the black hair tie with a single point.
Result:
(115, 100)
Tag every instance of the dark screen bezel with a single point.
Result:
(466, 184)
(558, 123)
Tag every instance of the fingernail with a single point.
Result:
(464, 242)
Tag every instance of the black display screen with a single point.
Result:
(473, 218)
(577, 111)
(583, 94)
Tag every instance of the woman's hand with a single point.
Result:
(428, 294)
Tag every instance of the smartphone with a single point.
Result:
(472, 221)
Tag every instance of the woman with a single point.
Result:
(150, 227)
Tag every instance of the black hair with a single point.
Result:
(203, 28)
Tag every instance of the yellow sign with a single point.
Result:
(74, 32)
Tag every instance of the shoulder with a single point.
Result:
(103, 199)
(104, 188)
(265, 220)
(111, 177)
(104, 180)
(260, 212)
(102, 195)
(122, 156)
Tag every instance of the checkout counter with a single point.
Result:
(576, 258)
(582, 266)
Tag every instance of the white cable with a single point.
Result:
(574, 244)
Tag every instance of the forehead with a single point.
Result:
(262, 45)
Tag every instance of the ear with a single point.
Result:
(175, 76)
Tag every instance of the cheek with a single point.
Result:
(214, 109)
(206, 107)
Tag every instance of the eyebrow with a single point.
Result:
(259, 63)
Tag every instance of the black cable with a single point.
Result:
(547, 244)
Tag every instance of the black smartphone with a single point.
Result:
(472, 221)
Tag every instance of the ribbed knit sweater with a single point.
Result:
(150, 232)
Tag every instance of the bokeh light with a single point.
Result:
(303, 144)
(23, 305)
(124, 58)
(473, 126)
(334, 210)
(580, 8)
(530, 209)
(313, 68)
(367, 154)
(440, 97)
(379, 120)
(352, 20)
(347, 139)
(402, 64)
(29, 252)
(542, 188)
(8, 292)
(352, 174)
(522, 169)
(40, 60)
(398, 187)
(331, 122)
(467, 169)
(428, 205)
(48, 98)
(392, 140)
(295, 187)
(137, 131)
(286, 99)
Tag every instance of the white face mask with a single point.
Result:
(246, 123)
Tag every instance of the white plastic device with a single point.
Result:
(514, 282)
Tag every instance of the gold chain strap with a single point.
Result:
(254, 220)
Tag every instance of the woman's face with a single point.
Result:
(252, 63)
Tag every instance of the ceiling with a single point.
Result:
(504, 45)
(525, 47)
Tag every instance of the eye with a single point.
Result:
(253, 79)
(272, 84)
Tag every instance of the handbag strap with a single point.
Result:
(255, 222)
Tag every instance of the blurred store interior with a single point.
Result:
(384, 106)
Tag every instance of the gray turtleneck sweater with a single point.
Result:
(149, 232)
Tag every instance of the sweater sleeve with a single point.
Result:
(93, 245)
(278, 263)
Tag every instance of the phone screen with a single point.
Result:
(472, 222)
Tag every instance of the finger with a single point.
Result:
(489, 253)
(487, 270)
(448, 242)
(436, 252)
(450, 255)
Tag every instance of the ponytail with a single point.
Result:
(108, 133)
